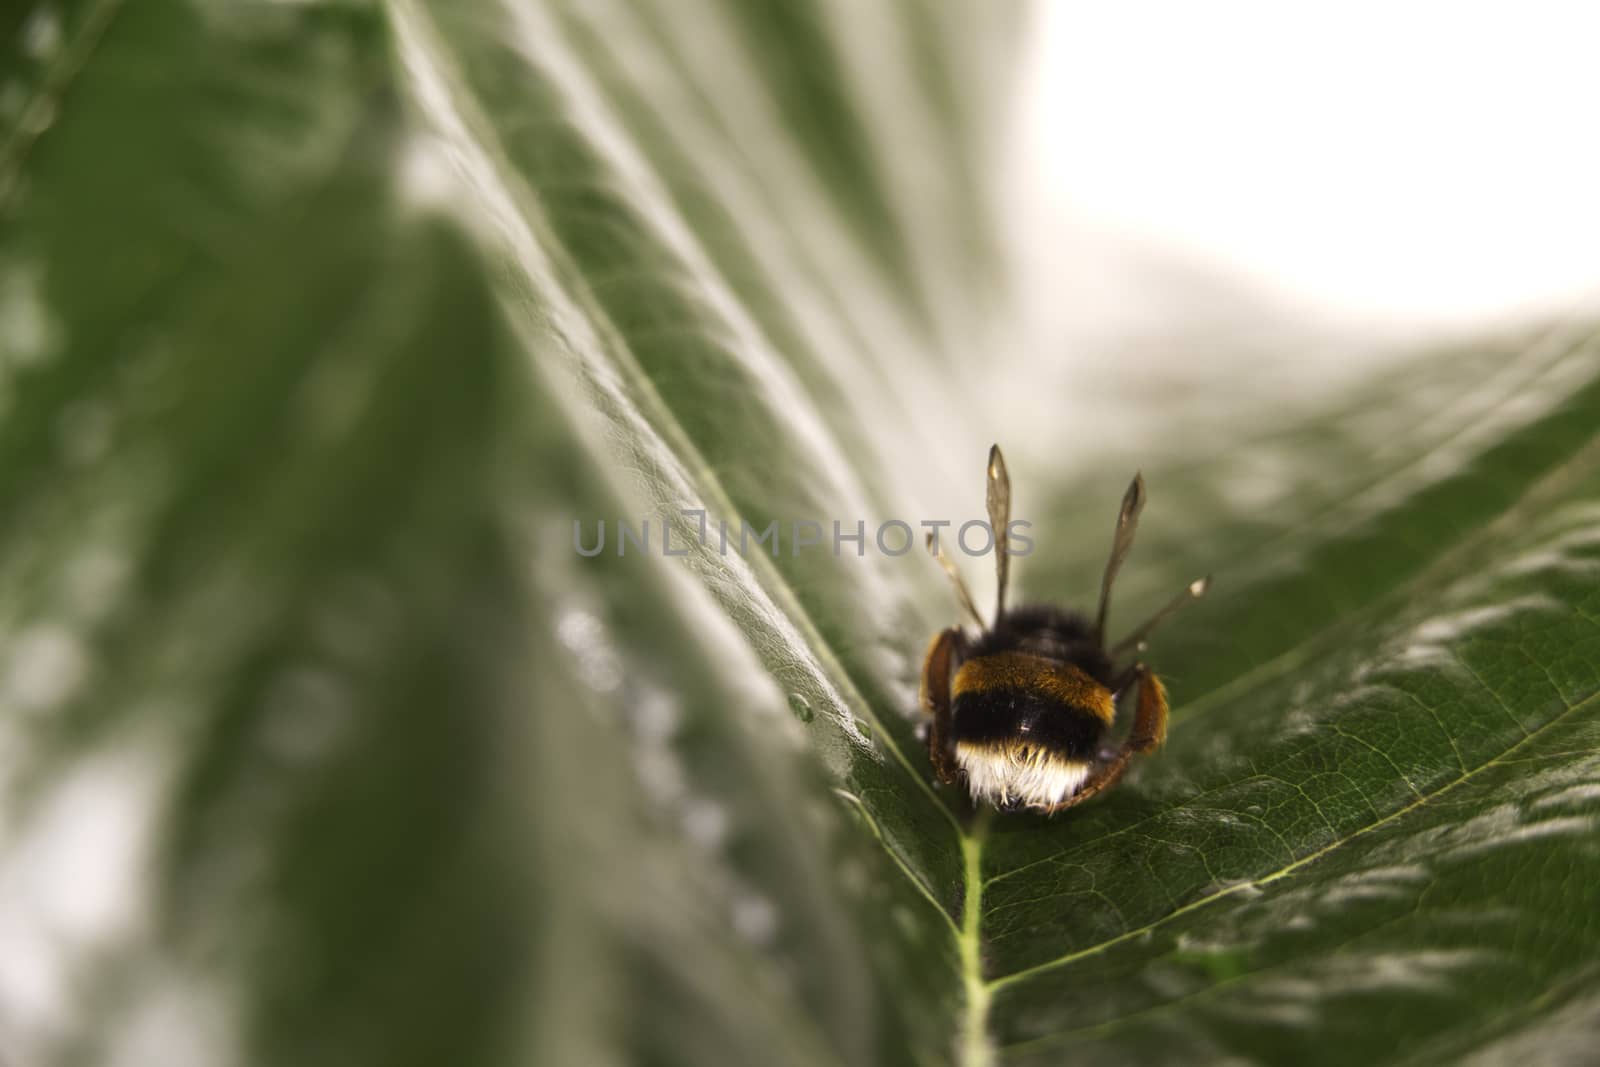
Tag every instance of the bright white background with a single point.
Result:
(1416, 165)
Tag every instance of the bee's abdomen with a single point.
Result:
(1009, 699)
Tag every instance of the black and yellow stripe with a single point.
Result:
(1017, 702)
(1022, 671)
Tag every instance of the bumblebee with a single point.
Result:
(1021, 712)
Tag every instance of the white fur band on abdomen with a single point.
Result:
(1020, 775)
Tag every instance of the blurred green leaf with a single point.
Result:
(322, 323)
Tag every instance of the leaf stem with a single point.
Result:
(976, 1048)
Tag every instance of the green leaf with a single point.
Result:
(322, 325)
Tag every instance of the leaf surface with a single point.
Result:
(324, 323)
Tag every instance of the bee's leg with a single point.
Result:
(1149, 731)
(1135, 641)
(963, 594)
(945, 653)
(1150, 720)
(1104, 775)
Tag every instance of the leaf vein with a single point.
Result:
(1284, 872)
